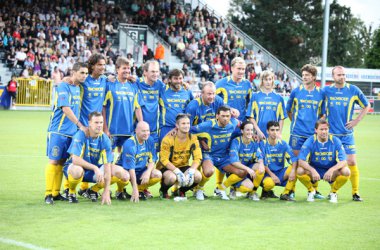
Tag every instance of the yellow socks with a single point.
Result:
(152, 181)
(306, 181)
(354, 179)
(259, 177)
(49, 178)
(219, 178)
(57, 179)
(204, 180)
(268, 184)
(243, 189)
(84, 185)
(338, 183)
(232, 179)
(73, 183)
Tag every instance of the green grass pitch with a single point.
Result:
(157, 224)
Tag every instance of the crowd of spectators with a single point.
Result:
(204, 42)
(45, 39)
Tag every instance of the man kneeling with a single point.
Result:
(91, 161)
(322, 156)
(175, 154)
(139, 157)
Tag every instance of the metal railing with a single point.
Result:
(34, 92)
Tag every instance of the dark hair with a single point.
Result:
(94, 114)
(181, 116)
(78, 65)
(321, 122)
(223, 108)
(94, 59)
(310, 68)
(272, 124)
(247, 122)
(175, 72)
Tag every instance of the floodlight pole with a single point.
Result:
(326, 20)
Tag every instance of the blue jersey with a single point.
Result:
(340, 104)
(247, 154)
(306, 107)
(150, 95)
(200, 112)
(97, 151)
(137, 156)
(322, 155)
(266, 107)
(67, 96)
(236, 95)
(93, 93)
(172, 103)
(218, 138)
(276, 156)
(122, 99)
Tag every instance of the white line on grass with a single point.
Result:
(21, 244)
(370, 179)
(23, 156)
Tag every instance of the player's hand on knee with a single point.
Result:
(315, 176)
(328, 175)
(251, 173)
(99, 176)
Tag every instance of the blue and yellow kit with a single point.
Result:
(122, 99)
(266, 107)
(92, 96)
(236, 95)
(201, 112)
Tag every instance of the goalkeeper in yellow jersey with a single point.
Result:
(175, 154)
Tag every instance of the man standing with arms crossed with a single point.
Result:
(341, 98)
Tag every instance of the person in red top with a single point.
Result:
(12, 89)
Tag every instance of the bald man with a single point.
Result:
(139, 157)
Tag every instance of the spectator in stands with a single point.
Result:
(159, 54)
(12, 89)
(110, 67)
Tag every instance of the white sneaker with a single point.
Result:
(254, 197)
(232, 194)
(199, 195)
(222, 194)
(310, 196)
(333, 198)
(216, 192)
(239, 194)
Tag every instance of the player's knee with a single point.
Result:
(241, 173)
(345, 171)
(300, 171)
(75, 171)
(197, 176)
(125, 176)
(268, 184)
(169, 177)
(208, 170)
(156, 174)
(351, 162)
(248, 184)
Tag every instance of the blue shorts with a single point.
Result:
(296, 142)
(322, 172)
(118, 141)
(139, 172)
(348, 142)
(218, 162)
(57, 146)
(89, 175)
(280, 175)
